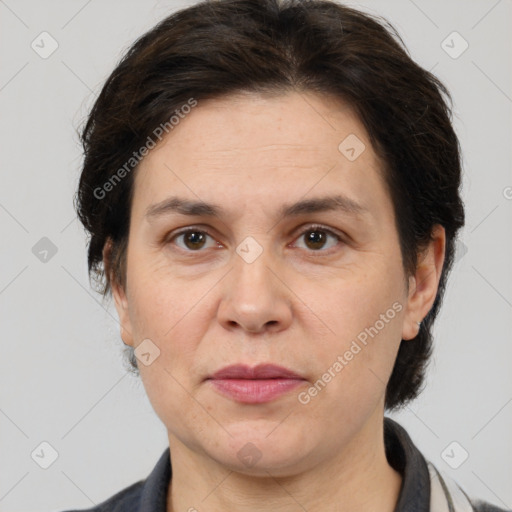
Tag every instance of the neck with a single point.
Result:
(359, 479)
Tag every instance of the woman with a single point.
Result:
(272, 194)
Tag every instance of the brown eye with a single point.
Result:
(193, 240)
(316, 239)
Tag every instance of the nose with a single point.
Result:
(255, 299)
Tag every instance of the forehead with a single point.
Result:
(249, 147)
(281, 124)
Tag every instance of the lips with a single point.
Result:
(254, 385)
(262, 371)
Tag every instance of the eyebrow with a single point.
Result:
(200, 208)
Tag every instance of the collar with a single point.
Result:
(402, 455)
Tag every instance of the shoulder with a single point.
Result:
(424, 485)
(454, 495)
(149, 495)
(126, 500)
(483, 506)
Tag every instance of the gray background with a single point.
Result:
(62, 377)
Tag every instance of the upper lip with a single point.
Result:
(261, 371)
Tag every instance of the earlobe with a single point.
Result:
(119, 295)
(125, 327)
(123, 313)
(424, 284)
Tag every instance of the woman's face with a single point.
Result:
(279, 267)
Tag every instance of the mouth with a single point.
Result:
(255, 385)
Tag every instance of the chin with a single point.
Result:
(263, 448)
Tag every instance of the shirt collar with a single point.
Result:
(401, 453)
(404, 457)
(154, 491)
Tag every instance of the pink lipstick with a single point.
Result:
(255, 385)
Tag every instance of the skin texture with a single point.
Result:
(297, 305)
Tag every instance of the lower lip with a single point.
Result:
(255, 391)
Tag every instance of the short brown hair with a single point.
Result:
(217, 48)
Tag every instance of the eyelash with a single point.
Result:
(309, 228)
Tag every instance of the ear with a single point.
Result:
(119, 295)
(424, 284)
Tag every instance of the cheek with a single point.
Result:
(159, 300)
(170, 398)
(366, 297)
(169, 313)
(365, 318)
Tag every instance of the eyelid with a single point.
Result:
(183, 231)
(313, 225)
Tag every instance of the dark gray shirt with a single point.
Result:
(150, 495)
